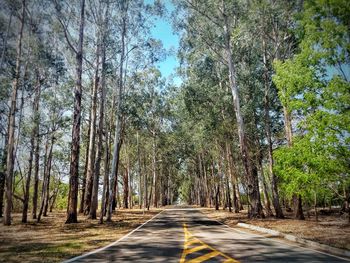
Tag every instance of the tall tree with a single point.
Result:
(12, 123)
(75, 148)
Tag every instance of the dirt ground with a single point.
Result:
(329, 230)
(52, 241)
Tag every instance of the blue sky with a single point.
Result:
(163, 31)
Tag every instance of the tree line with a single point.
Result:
(88, 123)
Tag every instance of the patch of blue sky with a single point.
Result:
(162, 30)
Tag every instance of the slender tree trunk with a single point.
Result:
(93, 174)
(117, 136)
(46, 182)
(36, 178)
(105, 188)
(12, 126)
(102, 122)
(92, 153)
(288, 126)
(228, 195)
(253, 185)
(49, 165)
(129, 182)
(83, 183)
(231, 175)
(154, 169)
(145, 202)
(315, 206)
(275, 195)
(265, 189)
(54, 196)
(31, 153)
(2, 190)
(4, 157)
(217, 192)
(3, 171)
(139, 169)
(126, 188)
(207, 195)
(297, 200)
(72, 215)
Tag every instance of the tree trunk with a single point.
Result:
(3, 173)
(126, 188)
(297, 201)
(154, 168)
(117, 135)
(91, 201)
(266, 192)
(253, 185)
(31, 153)
(228, 195)
(217, 192)
(37, 145)
(145, 202)
(72, 216)
(315, 206)
(2, 190)
(49, 165)
(54, 196)
(12, 125)
(46, 183)
(130, 199)
(233, 179)
(139, 169)
(275, 195)
(298, 208)
(91, 156)
(83, 183)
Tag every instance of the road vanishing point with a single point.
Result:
(186, 235)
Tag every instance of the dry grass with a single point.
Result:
(329, 230)
(51, 240)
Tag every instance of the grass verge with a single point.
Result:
(53, 241)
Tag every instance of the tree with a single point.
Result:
(75, 148)
(308, 89)
(11, 133)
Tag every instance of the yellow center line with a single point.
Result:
(195, 249)
(204, 257)
(190, 240)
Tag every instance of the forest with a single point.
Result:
(259, 121)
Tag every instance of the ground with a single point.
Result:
(52, 241)
(186, 235)
(166, 238)
(329, 230)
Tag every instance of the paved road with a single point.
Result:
(187, 235)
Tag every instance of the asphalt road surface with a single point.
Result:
(187, 235)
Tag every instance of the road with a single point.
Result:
(187, 235)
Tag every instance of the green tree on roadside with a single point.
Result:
(314, 87)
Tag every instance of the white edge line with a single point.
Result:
(111, 244)
(279, 241)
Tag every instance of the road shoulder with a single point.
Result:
(234, 221)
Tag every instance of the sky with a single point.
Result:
(162, 30)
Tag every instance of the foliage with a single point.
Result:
(318, 96)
